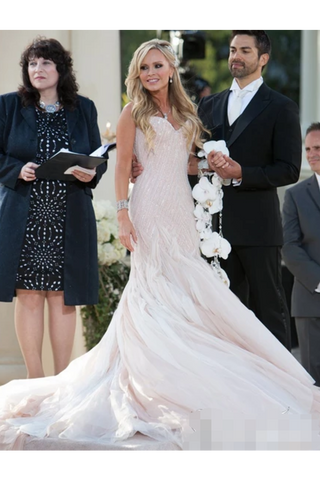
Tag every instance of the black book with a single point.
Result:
(60, 165)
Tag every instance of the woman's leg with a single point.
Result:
(62, 325)
(29, 324)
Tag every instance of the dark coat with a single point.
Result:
(301, 249)
(266, 142)
(18, 145)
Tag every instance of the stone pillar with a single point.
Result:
(309, 80)
(309, 86)
(96, 56)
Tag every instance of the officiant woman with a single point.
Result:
(48, 246)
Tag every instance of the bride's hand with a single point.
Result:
(126, 230)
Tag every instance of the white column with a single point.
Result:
(310, 74)
(96, 57)
(309, 86)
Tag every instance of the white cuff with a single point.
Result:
(236, 183)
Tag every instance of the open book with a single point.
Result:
(61, 165)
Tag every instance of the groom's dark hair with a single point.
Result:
(262, 40)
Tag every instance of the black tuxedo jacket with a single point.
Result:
(266, 142)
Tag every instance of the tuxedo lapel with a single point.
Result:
(28, 114)
(259, 102)
(220, 108)
(314, 191)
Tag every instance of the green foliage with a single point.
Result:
(96, 318)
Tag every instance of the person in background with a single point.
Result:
(48, 247)
(261, 128)
(202, 88)
(301, 254)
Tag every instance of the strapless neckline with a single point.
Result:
(167, 121)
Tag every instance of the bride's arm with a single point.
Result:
(125, 140)
(193, 167)
(193, 162)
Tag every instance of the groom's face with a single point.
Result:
(244, 61)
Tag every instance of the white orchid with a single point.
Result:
(207, 195)
(218, 146)
(215, 245)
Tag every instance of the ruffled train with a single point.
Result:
(181, 352)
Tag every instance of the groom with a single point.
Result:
(264, 141)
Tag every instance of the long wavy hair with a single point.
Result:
(184, 111)
(50, 49)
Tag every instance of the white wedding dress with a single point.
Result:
(183, 360)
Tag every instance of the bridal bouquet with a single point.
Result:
(208, 195)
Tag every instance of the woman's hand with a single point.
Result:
(84, 177)
(27, 172)
(127, 232)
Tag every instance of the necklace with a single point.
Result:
(49, 108)
(165, 115)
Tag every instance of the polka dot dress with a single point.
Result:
(42, 255)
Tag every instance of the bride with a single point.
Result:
(183, 360)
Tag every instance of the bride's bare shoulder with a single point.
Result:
(126, 114)
(127, 109)
(126, 123)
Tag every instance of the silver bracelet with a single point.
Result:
(121, 204)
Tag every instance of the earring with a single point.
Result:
(170, 79)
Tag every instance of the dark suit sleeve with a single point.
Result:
(286, 152)
(304, 268)
(95, 142)
(9, 166)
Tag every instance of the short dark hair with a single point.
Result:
(50, 49)
(262, 40)
(315, 126)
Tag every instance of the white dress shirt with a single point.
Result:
(318, 178)
(251, 89)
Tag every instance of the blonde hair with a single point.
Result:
(183, 109)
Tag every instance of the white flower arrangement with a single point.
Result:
(110, 250)
(208, 195)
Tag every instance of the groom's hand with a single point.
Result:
(224, 166)
(136, 169)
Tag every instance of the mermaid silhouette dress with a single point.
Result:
(183, 359)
